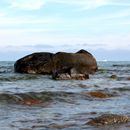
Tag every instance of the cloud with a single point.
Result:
(119, 2)
(19, 20)
(27, 4)
(82, 4)
(114, 15)
(2, 14)
(105, 41)
(85, 4)
(91, 4)
(91, 31)
(108, 21)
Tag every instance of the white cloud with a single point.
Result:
(113, 19)
(122, 13)
(91, 4)
(28, 20)
(27, 4)
(112, 41)
(110, 20)
(125, 22)
(22, 36)
(85, 4)
(106, 41)
(2, 14)
(119, 2)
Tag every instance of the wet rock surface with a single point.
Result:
(99, 94)
(36, 63)
(128, 78)
(61, 126)
(109, 119)
(72, 76)
(113, 76)
(61, 65)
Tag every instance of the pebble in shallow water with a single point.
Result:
(99, 94)
(128, 78)
(113, 76)
(61, 126)
(108, 119)
(71, 77)
(33, 102)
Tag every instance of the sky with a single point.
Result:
(100, 26)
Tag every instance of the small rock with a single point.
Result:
(37, 126)
(108, 119)
(93, 113)
(82, 85)
(99, 94)
(128, 78)
(72, 76)
(113, 76)
(79, 76)
(60, 126)
(33, 102)
(25, 129)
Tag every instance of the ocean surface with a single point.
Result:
(36, 102)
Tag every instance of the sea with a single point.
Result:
(37, 102)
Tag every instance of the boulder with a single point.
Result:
(36, 63)
(61, 65)
(81, 62)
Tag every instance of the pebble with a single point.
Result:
(108, 119)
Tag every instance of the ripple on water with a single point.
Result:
(37, 102)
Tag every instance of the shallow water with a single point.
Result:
(36, 102)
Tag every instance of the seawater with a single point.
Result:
(36, 102)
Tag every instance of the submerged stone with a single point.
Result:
(108, 119)
(128, 78)
(99, 94)
(61, 126)
(113, 76)
(83, 86)
(31, 102)
(72, 76)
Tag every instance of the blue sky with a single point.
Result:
(100, 26)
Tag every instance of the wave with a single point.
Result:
(38, 97)
(111, 70)
(55, 96)
(123, 89)
(16, 77)
(121, 65)
(6, 69)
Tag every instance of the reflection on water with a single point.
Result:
(36, 102)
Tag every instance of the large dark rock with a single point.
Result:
(81, 62)
(36, 63)
(61, 65)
